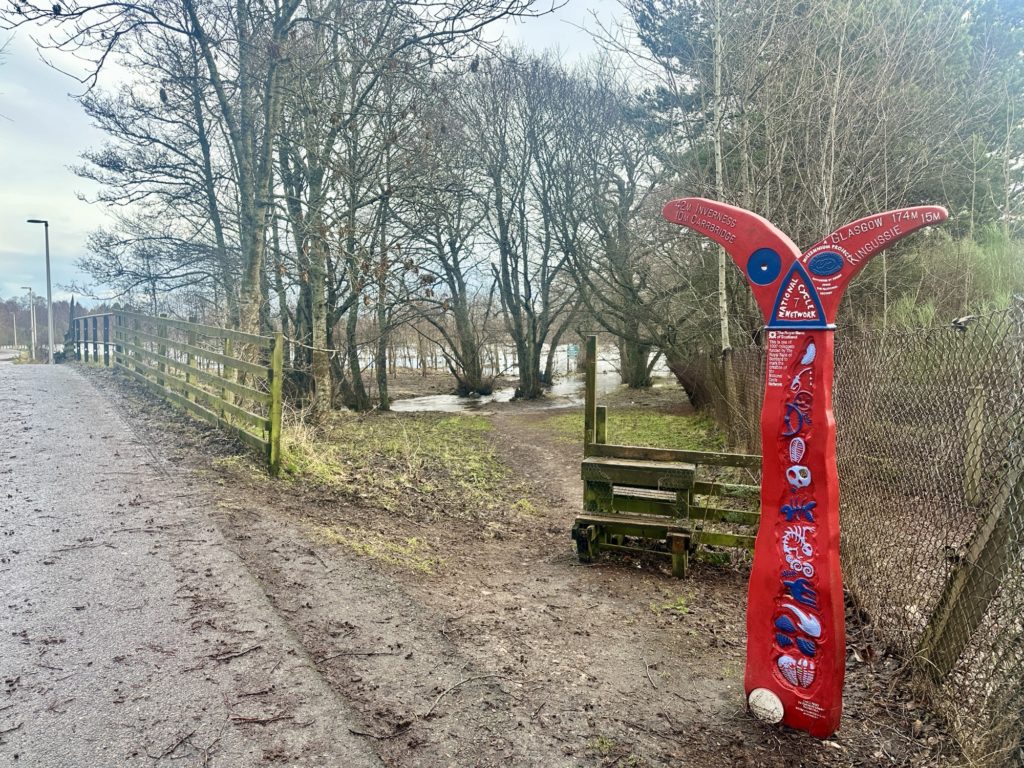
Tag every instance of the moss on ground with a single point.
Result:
(679, 606)
(643, 426)
(410, 553)
(421, 465)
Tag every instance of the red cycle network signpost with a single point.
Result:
(796, 637)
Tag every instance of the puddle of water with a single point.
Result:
(566, 392)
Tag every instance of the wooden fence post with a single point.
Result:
(85, 339)
(95, 339)
(190, 359)
(973, 585)
(228, 374)
(118, 336)
(78, 339)
(161, 349)
(106, 340)
(276, 372)
(138, 343)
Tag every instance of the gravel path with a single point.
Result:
(130, 633)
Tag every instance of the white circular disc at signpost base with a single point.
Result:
(765, 705)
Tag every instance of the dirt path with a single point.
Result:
(512, 653)
(131, 634)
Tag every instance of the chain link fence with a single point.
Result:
(930, 449)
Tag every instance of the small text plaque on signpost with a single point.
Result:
(796, 643)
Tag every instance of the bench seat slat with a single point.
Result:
(672, 475)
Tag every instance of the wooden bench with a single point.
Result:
(655, 499)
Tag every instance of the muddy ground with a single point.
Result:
(511, 653)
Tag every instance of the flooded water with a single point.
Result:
(566, 392)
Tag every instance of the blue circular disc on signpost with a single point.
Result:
(825, 264)
(763, 266)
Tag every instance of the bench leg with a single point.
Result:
(586, 542)
(680, 547)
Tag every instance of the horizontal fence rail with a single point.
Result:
(227, 378)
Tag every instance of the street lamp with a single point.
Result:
(32, 323)
(49, 293)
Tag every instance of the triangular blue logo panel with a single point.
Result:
(797, 305)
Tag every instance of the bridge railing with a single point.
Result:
(91, 337)
(227, 378)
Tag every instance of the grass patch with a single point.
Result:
(421, 465)
(525, 507)
(603, 746)
(642, 426)
(411, 553)
(678, 607)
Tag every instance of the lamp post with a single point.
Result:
(49, 293)
(32, 322)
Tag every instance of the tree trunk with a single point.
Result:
(359, 400)
(383, 337)
(693, 378)
(528, 355)
(469, 373)
(634, 367)
(323, 390)
(723, 300)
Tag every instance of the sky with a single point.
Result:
(43, 131)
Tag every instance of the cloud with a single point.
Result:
(565, 30)
(42, 132)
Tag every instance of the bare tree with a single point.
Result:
(163, 175)
(444, 215)
(511, 110)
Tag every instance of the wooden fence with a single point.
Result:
(228, 378)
